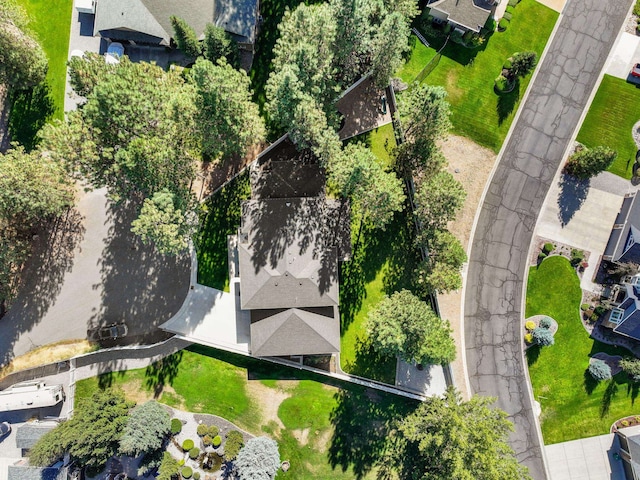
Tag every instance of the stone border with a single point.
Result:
(536, 319)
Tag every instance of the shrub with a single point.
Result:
(176, 426)
(467, 36)
(216, 441)
(186, 472)
(625, 423)
(513, 3)
(542, 256)
(213, 431)
(196, 475)
(206, 440)
(490, 24)
(193, 453)
(507, 64)
(506, 16)
(510, 9)
(530, 325)
(599, 370)
(543, 337)
(447, 28)
(503, 24)
(501, 83)
(202, 430)
(548, 247)
(232, 446)
(528, 338)
(636, 8)
(584, 307)
(631, 366)
(586, 163)
(599, 310)
(576, 256)
(181, 462)
(546, 323)
(187, 445)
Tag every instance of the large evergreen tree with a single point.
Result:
(147, 427)
(259, 459)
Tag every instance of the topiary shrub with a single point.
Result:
(193, 453)
(548, 248)
(584, 307)
(513, 3)
(186, 472)
(206, 440)
(528, 338)
(576, 256)
(202, 430)
(232, 446)
(510, 9)
(187, 445)
(507, 16)
(530, 325)
(501, 83)
(176, 426)
(216, 441)
(503, 24)
(196, 475)
(447, 28)
(213, 431)
(543, 337)
(546, 323)
(599, 370)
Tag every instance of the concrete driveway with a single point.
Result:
(585, 459)
(624, 56)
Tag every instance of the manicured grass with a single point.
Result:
(573, 405)
(348, 426)
(419, 57)
(614, 111)
(468, 75)
(220, 217)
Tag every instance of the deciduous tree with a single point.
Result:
(404, 325)
(451, 438)
(259, 459)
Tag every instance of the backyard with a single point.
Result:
(325, 431)
(609, 122)
(468, 74)
(573, 404)
(51, 23)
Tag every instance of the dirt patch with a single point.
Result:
(301, 435)
(270, 399)
(134, 390)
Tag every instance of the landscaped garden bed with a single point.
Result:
(544, 248)
(630, 421)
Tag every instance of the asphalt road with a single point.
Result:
(498, 259)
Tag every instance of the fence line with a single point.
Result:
(433, 63)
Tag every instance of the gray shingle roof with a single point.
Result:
(295, 332)
(28, 434)
(629, 217)
(472, 14)
(17, 472)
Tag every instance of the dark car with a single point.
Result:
(5, 429)
(112, 332)
(635, 71)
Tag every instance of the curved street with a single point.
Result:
(498, 258)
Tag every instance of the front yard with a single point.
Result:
(468, 74)
(614, 111)
(573, 405)
(325, 431)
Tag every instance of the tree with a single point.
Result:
(217, 44)
(32, 188)
(441, 271)
(631, 366)
(85, 72)
(146, 429)
(185, 37)
(14, 251)
(228, 121)
(425, 119)
(259, 459)
(437, 200)
(169, 467)
(543, 336)
(23, 63)
(588, 162)
(522, 63)
(450, 438)
(162, 224)
(599, 369)
(404, 325)
(91, 436)
(375, 194)
(388, 47)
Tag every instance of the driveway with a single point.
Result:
(624, 56)
(498, 258)
(585, 459)
(91, 270)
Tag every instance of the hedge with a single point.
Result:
(176, 426)
(510, 9)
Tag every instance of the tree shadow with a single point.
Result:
(363, 421)
(590, 383)
(573, 193)
(30, 110)
(533, 353)
(633, 388)
(369, 363)
(507, 102)
(162, 372)
(607, 398)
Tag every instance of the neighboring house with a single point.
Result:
(624, 319)
(629, 439)
(289, 245)
(624, 242)
(147, 21)
(21, 470)
(464, 15)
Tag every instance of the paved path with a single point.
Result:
(498, 260)
(585, 459)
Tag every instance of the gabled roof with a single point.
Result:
(629, 325)
(624, 242)
(294, 332)
(285, 254)
(471, 14)
(28, 434)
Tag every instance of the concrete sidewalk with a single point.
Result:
(585, 459)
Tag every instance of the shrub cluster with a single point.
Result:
(176, 426)
(233, 444)
(599, 370)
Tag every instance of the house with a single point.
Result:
(624, 319)
(147, 21)
(624, 242)
(465, 15)
(629, 452)
(289, 244)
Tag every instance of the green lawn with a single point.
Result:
(614, 111)
(419, 56)
(348, 427)
(573, 405)
(51, 23)
(468, 74)
(220, 217)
